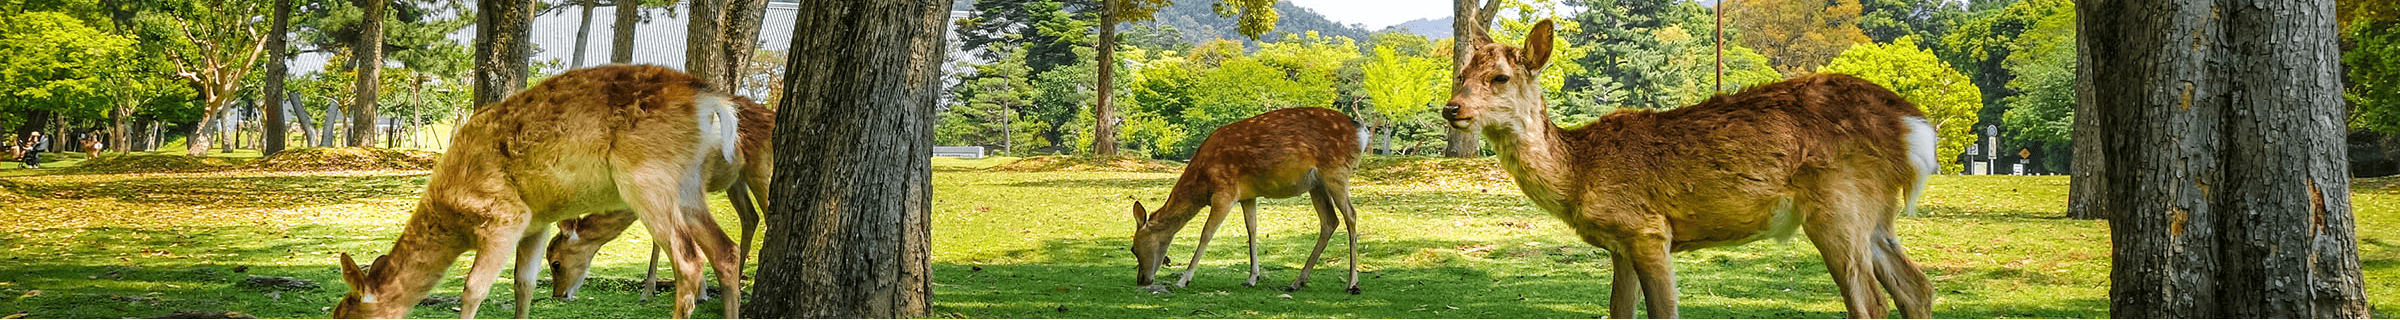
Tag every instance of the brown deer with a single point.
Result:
(1828, 153)
(644, 138)
(1280, 154)
(92, 148)
(579, 240)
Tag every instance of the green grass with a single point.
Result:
(1052, 245)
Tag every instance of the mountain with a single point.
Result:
(1430, 28)
(1199, 24)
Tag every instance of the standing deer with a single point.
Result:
(644, 138)
(1826, 152)
(1280, 154)
(579, 240)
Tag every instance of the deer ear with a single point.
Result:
(1537, 46)
(352, 275)
(1141, 216)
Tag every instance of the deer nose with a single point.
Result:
(1450, 112)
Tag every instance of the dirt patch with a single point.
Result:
(1431, 170)
(153, 163)
(345, 158)
(1076, 163)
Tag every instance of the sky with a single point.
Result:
(1377, 14)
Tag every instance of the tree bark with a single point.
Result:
(369, 52)
(742, 21)
(621, 46)
(583, 34)
(1466, 21)
(278, 64)
(703, 43)
(298, 109)
(850, 240)
(503, 49)
(2086, 198)
(1104, 130)
(2224, 160)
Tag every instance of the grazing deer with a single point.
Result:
(579, 240)
(1280, 154)
(1826, 152)
(644, 138)
(92, 148)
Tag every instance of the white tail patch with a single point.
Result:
(719, 123)
(1921, 144)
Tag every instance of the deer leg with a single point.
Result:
(529, 267)
(1625, 291)
(1910, 290)
(1341, 199)
(1216, 215)
(1250, 224)
(1327, 223)
(1846, 251)
(489, 259)
(703, 232)
(650, 275)
(745, 207)
(1655, 267)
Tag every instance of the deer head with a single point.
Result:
(1500, 88)
(1149, 248)
(366, 294)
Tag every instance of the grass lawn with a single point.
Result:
(1053, 245)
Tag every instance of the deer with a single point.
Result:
(1823, 153)
(1278, 154)
(647, 139)
(92, 148)
(579, 240)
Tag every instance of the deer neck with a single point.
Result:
(418, 259)
(1534, 152)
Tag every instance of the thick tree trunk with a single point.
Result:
(1466, 21)
(742, 21)
(703, 43)
(1104, 113)
(849, 242)
(583, 34)
(503, 47)
(197, 143)
(2224, 163)
(629, 13)
(278, 64)
(369, 50)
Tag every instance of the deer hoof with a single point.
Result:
(1251, 283)
(1354, 291)
(1293, 288)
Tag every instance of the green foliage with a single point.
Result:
(2374, 64)
(2043, 62)
(1517, 20)
(1945, 95)
(1654, 54)
(53, 61)
(1199, 21)
(992, 100)
(1929, 20)
(1798, 36)
(1980, 47)
(1404, 86)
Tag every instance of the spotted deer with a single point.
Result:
(1279, 154)
(642, 138)
(1828, 154)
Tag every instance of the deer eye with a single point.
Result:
(1500, 79)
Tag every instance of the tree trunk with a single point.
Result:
(1466, 21)
(278, 64)
(743, 18)
(629, 13)
(369, 50)
(333, 116)
(226, 129)
(2086, 198)
(294, 104)
(503, 49)
(2224, 160)
(196, 144)
(703, 43)
(583, 34)
(1104, 130)
(859, 69)
(121, 132)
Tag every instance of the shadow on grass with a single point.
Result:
(1416, 278)
(264, 191)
